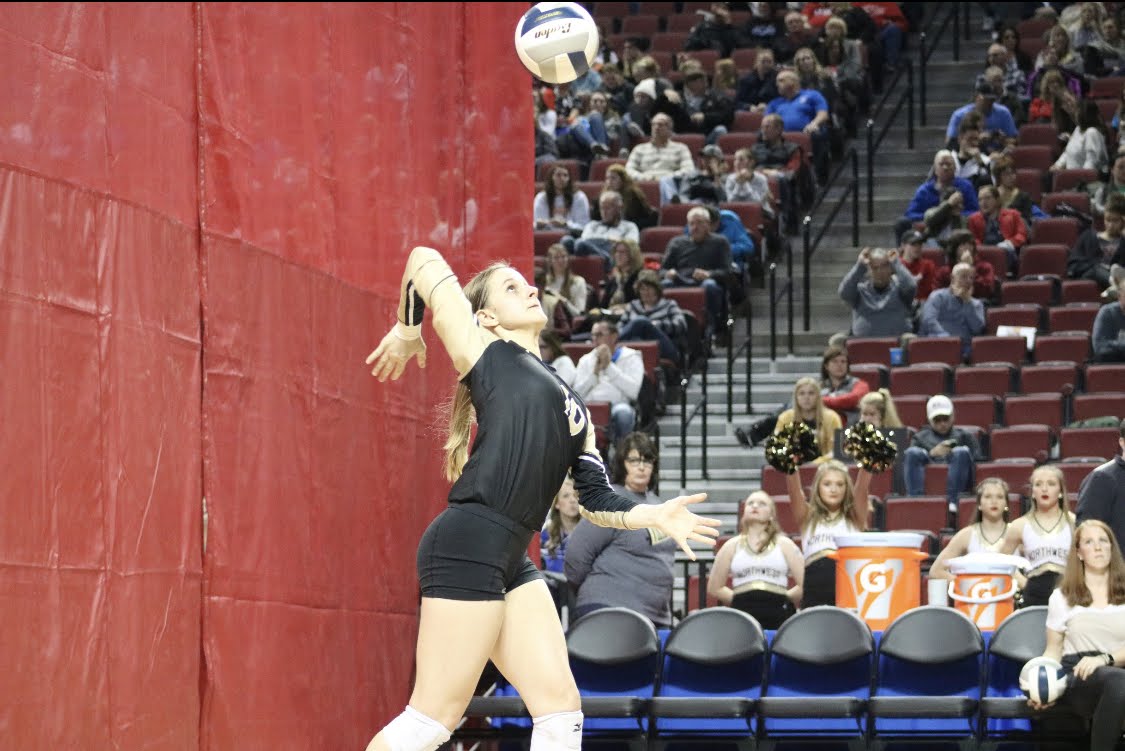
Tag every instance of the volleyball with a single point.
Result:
(1043, 680)
(557, 41)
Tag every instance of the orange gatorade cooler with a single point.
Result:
(878, 574)
(983, 586)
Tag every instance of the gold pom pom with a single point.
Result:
(790, 447)
(872, 450)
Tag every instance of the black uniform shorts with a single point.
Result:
(470, 552)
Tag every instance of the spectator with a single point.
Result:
(840, 391)
(560, 322)
(972, 164)
(760, 560)
(599, 235)
(841, 58)
(1044, 533)
(699, 109)
(1084, 633)
(1086, 147)
(725, 79)
(561, 521)
(953, 311)
(619, 567)
(758, 87)
(1109, 325)
(1011, 195)
(702, 185)
(559, 205)
(782, 159)
(813, 76)
(803, 110)
(1059, 52)
(546, 149)
(552, 353)
(808, 407)
(955, 195)
(1056, 102)
(570, 287)
(1094, 253)
(993, 225)
(943, 443)
(635, 204)
(880, 292)
(617, 88)
(743, 250)
(611, 373)
(660, 156)
(1106, 56)
(1102, 191)
(1102, 494)
(1014, 80)
(998, 125)
(993, 76)
(1087, 28)
(892, 27)
(798, 34)
(701, 259)
(961, 247)
(1010, 37)
(620, 284)
(747, 185)
(604, 120)
(763, 28)
(878, 408)
(984, 534)
(713, 32)
(921, 269)
(653, 316)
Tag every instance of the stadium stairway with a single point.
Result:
(733, 470)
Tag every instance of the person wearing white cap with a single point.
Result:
(942, 442)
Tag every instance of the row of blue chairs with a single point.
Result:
(823, 676)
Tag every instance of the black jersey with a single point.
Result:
(531, 428)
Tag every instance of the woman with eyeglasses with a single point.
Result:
(632, 568)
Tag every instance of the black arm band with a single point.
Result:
(415, 306)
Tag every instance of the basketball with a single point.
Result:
(1043, 680)
(557, 41)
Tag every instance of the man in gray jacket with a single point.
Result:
(880, 291)
(1102, 494)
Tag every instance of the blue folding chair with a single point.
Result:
(927, 678)
(714, 663)
(818, 680)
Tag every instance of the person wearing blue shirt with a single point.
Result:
(953, 311)
(806, 111)
(962, 197)
(999, 127)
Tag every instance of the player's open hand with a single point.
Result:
(674, 519)
(392, 355)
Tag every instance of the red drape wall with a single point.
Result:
(204, 213)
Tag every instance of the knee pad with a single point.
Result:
(414, 731)
(561, 731)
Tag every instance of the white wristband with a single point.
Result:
(407, 333)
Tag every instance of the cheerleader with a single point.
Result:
(985, 534)
(760, 560)
(1045, 533)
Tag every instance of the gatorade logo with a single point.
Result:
(983, 614)
(874, 582)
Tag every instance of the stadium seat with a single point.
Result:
(1061, 377)
(599, 167)
(675, 214)
(784, 508)
(1077, 317)
(1003, 707)
(983, 379)
(1088, 443)
(996, 257)
(614, 655)
(1032, 156)
(975, 409)
(1080, 201)
(656, 239)
(1068, 179)
(1040, 134)
(871, 350)
(713, 670)
(544, 239)
(874, 374)
(668, 41)
(592, 269)
(706, 58)
(935, 476)
(640, 25)
(1076, 472)
(1015, 472)
(819, 676)
(737, 139)
(1034, 292)
(744, 58)
(1108, 87)
(1035, 409)
(1019, 442)
(746, 121)
(1043, 259)
(945, 349)
(1030, 181)
(773, 481)
(927, 380)
(651, 189)
(1055, 230)
(988, 349)
(1105, 377)
(680, 22)
(929, 513)
(1070, 347)
(927, 682)
(1080, 290)
(1086, 406)
(912, 410)
(1023, 314)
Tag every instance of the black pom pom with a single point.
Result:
(872, 450)
(790, 447)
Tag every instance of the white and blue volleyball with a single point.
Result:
(1043, 680)
(557, 42)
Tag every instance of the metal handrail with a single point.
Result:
(775, 297)
(733, 354)
(924, 54)
(873, 142)
(685, 420)
(810, 246)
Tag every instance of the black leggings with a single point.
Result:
(1101, 697)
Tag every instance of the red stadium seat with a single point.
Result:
(1030, 181)
(1080, 201)
(912, 410)
(681, 22)
(735, 140)
(1108, 87)
(1019, 442)
(785, 518)
(1043, 259)
(1080, 290)
(675, 214)
(1015, 472)
(1070, 347)
(592, 189)
(744, 58)
(577, 349)
(1041, 378)
(592, 269)
(1105, 404)
(1076, 472)
(1060, 230)
(929, 512)
(1040, 134)
(946, 349)
(640, 25)
(706, 58)
(996, 257)
(656, 239)
(922, 380)
(651, 189)
(983, 379)
(746, 121)
(599, 167)
(694, 141)
(1009, 349)
(691, 299)
(1100, 443)
(867, 350)
(545, 238)
(1067, 179)
(1022, 314)
(1035, 409)
(1033, 156)
(668, 41)
(751, 215)
(1105, 377)
(1027, 292)
(874, 374)
(974, 409)
(1078, 317)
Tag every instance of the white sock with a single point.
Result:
(561, 731)
(414, 731)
